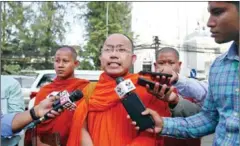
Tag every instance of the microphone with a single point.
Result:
(64, 102)
(133, 104)
(67, 100)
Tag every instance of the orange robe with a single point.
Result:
(61, 124)
(107, 122)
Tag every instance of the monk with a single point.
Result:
(65, 61)
(102, 120)
(168, 62)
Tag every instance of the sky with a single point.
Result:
(170, 21)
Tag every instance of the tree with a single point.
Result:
(47, 30)
(31, 31)
(13, 30)
(119, 21)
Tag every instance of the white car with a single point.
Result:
(46, 76)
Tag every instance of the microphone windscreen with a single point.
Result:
(76, 95)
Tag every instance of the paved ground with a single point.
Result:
(207, 140)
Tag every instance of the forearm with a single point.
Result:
(185, 108)
(21, 120)
(192, 127)
(192, 88)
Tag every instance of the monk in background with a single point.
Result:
(102, 120)
(65, 61)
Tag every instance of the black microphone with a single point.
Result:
(65, 101)
(133, 104)
(74, 96)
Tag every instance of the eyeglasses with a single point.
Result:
(118, 48)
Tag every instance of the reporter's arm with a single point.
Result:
(6, 124)
(22, 119)
(198, 125)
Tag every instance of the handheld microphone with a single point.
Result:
(65, 101)
(133, 104)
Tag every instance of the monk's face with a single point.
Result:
(167, 61)
(64, 64)
(116, 55)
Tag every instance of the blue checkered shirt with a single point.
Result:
(220, 111)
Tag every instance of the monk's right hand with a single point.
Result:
(157, 119)
(165, 80)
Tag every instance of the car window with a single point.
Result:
(46, 79)
(25, 82)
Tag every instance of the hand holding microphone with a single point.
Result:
(65, 101)
(47, 109)
(133, 104)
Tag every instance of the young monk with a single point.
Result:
(64, 64)
(102, 120)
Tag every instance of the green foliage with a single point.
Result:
(31, 30)
(119, 21)
(11, 69)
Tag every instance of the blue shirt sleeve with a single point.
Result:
(198, 125)
(192, 88)
(6, 124)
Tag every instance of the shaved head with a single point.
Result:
(71, 49)
(117, 55)
(168, 49)
(125, 38)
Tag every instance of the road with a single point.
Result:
(207, 140)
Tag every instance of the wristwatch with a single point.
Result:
(33, 114)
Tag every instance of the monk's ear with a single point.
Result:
(76, 63)
(134, 58)
(155, 66)
(100, 58)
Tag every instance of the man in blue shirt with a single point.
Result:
(11, 102)
(220, 111)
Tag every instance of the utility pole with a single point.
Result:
(1, 34)
(107, 19)
(156, 43)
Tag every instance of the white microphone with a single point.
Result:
(124, 87)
